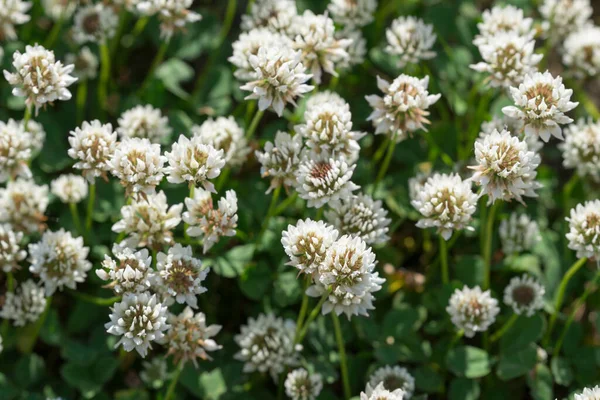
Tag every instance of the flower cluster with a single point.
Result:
(525, 295)
(25, 304)
(302, 385)
(11, 252)
(23, 204)
(472, 310)
(584, 229)
(15, 151)
(411, 40)
(129, 271)
(518, 233)
(69, 188)
(224, 134)
(144, 122)
(92, 146)
(190, 338)
(392, 378)
(581, 148)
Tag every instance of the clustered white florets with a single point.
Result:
(354, 13)
(92, 146)
(69, 188)
(129, 271)
(85, 62)
(472, 310)
(174, 15)
(581, 148)
(15, 151)
(23, 204)
(25, 304)
(144, 122)
(392, 378)
(275, 15)
(37, 135)
(565, 16)
(582, 52)
(503, 19)
(584, 229)
(525, 295)
(11, 252)
(411, 40)
(588, 394)
(518, 233)
(12, 12)
(226, 135)
(95, 23)
(280, 160)
(381, 393)
(302, 385)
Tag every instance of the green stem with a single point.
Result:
(123, 21)
(174, 380)
(139, 26)
(56, 28)
(386, 162)
(320, 213)
(312, 316)
(444, 260)
(286, 203)
(303, 309)
(507, 325)
(104, 75)
(99, 301)
(158, 59)
(26, 117)
(343, 362)
(382, 149)
(254, 124)
(76, 220)
(270, 213)
(90, 207)
(82, 90)
(487, 249)
(10, 282)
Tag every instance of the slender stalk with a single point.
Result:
(174, 380)
(223, 178)
(386, 163)
(99, 301)
(270, 213)
(158, 59)
(507, 325)
(303, 309)
(254, 124)
(286, 203)
(81, 97)
(56, 28)
(33, 336)
(487, 249)
(320, 212)
(444, 260)
(560, 295)
(76, 220)
(139, 26)
(382, 149)
(90, 207)
(104, 75)
(311, 317)
(26, 117)
(459, 334)
(343, 362)
(123, 21)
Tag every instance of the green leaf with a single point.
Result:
(398, 323)
(213, 384)
(540, 383)
(81, 379)
(8, 391)
(428, 380)
(562, 371)
(464, 389)
(255, 281)
(515, 364)
(525, 330)
(234, 261)
(469, 362)
(29, 370)
(132, 394)
(469, 270)
(287, 289)
(172, 73)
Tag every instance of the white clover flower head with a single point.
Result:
(360, 216)
(381, 393)
(92, 146)
(144, 122)
(541, 101)
(515, 127)
(23, 204)
(138, 164)
(25, 304)
(302, 385)
(208, 223)
(59, 10)
(357, 50)
(403, 109)
(352, 13)
(506, 168)
(180, 275)
(138, 319)
(416, 184)
(85, 62)
(279, 78)
(392, 378)
(267, 345)
(248, 44)
(149, 221)
(347, 274)
(174, 15)
(11, 251)
(39, 77)
(581, 52)
(37, 135)
(224, 134)
(503, 19)
(321, 180)
(411, 40)
(584, 229)
(322, 97)
(275, 15)
(15, 151)
(69, 188)
(195, 162)
(155, 372)
(12, 12)
(60, 260)
(581, 148)
(472, 310)
(525, 295)
(306, 244)
(314, 36)
(518, 233)
(446, 203)
(189, 337)
(565, 16)
(507, 58)
(129, 271)
(280, 159)
(95, 23)
(589, 394)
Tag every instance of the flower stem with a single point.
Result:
(90, 207)
(311, 317)
(507, 325)
(444, 260)
(343, 362)
(303, 309)
(104, 75)
(26, 117)
(56, 28)
(99, 301)
(76, 220)
(270, 213)
(286, 203)
(386, 163)
(254, 124)
(82, 90)
(174, 380)
(158, 59)
(487, 248)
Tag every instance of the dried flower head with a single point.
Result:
(302, 385)
(525, 295)
(472, 310)
(411, 40)
(518, 233)
(23, 204)
(92, 146)
(392, 378)
(280, 160)
(174, 15)
(11, 251)
(25, 304)
(584, 229)
(224, 134)
(95, 23)
(581, 148)
(69, 188)
(144, 122)
(129, 271)
(15, 151)
(306, 244)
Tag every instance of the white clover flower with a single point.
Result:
(192, 161)
(224, 134)
(301, 385)
(581, 52)
(584, 229)
(506, 167)
(37, 135)
(411, 40)
(144, 122)
(515, 127)
(129, 271)
(306, 244)
(503, 19)
(279, 77)
(525, 295)
(59, 10)
(416, 184)
(392, 378)
(472, 310)
(507, 58)
(92, 146)
(15, 151)
(380, 393)
(11, 251)
(353, 13)
(276, 15)
(357, 50)
(321, 180)
(23, 204)
(138, 164)
(541, 101)
(267, 345)
(207, 222)
(85, 62)
(180, 275)
(12, 12)
(446, 203)
(314, 36)
(69, 188)
(155, 372)
(347, 275)
(148, 222)
(360, 216)
(60, 260)
(589, 394)
(581, 148)
(565, 16)
(248, 44)
(25, 304)
(322, 97)
(174, 15)
(139, 319)
(39, 77)
(518, 233)
(95, 23)
(280, 160)
(189, 337)
(129, 5)
(403, 108)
